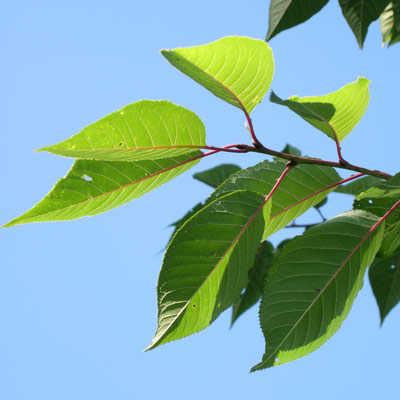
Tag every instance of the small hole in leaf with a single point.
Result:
(392, 267)
(276, 359)
(370, 201)
(87, 178)
(120, 144)
(194, 305)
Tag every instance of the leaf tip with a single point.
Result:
(363, 81)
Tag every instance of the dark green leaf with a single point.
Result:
(360, 13)
(384, 276)
(146, 130)
(312, 284)
(294, 151)
(359, 185)
(189, 214)
(390, 23)
(284, 14)
(215, 176)
(298, 192)
(378, 200)
(336, 113)
(321, 203)
(206, 264)
(253, 290)
(93, 187)
(236, 69)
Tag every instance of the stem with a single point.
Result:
(321, 215)
(388, 212)
(256, 142)
(318, 192)
(316, 161)
(279, 180)
(306, 226)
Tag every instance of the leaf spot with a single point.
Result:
(120, 144)
(87, 178)
(194, 305)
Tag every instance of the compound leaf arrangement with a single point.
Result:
(219, 256)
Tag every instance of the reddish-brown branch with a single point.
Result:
(316, 161)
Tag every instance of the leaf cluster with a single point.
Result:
(219, 256)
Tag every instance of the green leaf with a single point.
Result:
(289, 149)
(378, 200)
(255, 284)
(321, 203)
(236, 69)
(336, 113)
(312, 284)
(359, 185)
(93, 187)
(384, 276)
(206, 264)
(360, 13)
(284, 14)
(303, 187)
(189, 214)
(390, 23)
(146, 130)
(215, 176)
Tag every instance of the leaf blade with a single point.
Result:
(299, 191)
(312, 284)
(216, 175)
(92, 187)
(206, 263)
(255, 284)
(336, 113)
(384, 276)
(145, 130)
(284, 14)
(360, 13)
(236, 69)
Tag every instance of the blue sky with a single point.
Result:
(77, 299)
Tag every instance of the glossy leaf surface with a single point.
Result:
(236, 69)
(336, 113)
(360, 13)
(206, 264)
(284, 14)
(146, 130)
(312, 284)
(92, 187)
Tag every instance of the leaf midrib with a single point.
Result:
(214, 79)
(234, 242)
(321, 292)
